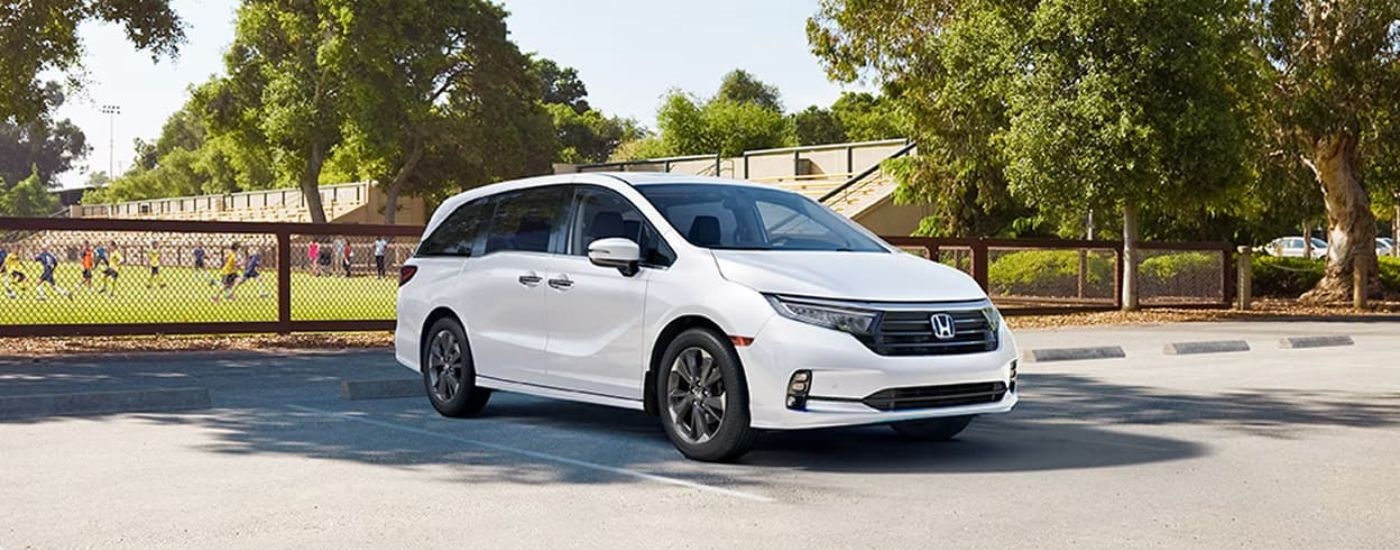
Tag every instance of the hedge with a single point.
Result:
(1291, 277)
(1048, 273)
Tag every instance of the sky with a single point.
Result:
(628, 53)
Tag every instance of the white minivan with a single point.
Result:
(724, 307)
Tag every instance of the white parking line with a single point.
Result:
(538, 455)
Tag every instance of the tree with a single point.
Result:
(42, 36)
(559, 85)
(29, 197)
(869, 117)
(426, 78)
(741, 87)
(950, 71)
(720, 126)
(1074, 105)
(589, 137)
(816, 126)
(43, 147)
(1335, 84)
(286, 86)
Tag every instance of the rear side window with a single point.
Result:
(527, 220)
(457, 234)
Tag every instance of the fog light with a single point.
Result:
(798, 386)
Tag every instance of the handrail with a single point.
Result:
(867, 172)
(828, 147)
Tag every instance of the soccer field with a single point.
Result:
(187, 297)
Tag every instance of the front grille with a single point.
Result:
(912, 333)
(931, 397)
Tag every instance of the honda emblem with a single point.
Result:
(944, 327)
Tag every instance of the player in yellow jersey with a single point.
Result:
(14, 270)
(153, 260)
(109, 271)
(229, 273)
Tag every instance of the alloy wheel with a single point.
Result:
(695, 395)
(445, 365)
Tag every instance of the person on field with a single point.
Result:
(153, 260)
(48, 262)
(5, 268)
(14, 268)
(347, 257)
(323, 260)
(88, 259)
(199, 262)
(109, 270)
(313, 257)
(338, 246)
(381, 245)
(229, 273)
(250, 272)
(101, 253)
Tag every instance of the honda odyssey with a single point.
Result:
(723, 307)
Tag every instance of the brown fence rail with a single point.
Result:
(130, 277)
(1046, 276)
(84, 276)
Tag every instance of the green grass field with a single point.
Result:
(188, 298)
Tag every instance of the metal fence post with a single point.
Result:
(284, 282)
(1118, 276)
(1229, 284)
(979, 264)
(1245, 282)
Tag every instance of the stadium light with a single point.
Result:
(111, 111)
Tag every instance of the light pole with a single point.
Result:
(111, 111)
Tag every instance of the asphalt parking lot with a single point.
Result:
(1271, 448)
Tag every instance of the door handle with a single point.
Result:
(529, 279)
(561, 283)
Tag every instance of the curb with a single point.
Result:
(392, 388)
(1306, 342)
(1216, 346)
(108, 402)
(1073, 354)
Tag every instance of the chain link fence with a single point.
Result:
(97, 276)
(1056, 275)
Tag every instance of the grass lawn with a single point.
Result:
(187, 297)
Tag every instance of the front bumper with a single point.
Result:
(844, 372)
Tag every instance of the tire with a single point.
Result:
(933, 429)
(689, 409)
(445, 351)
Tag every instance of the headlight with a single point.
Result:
(993, 317)
(844, 319)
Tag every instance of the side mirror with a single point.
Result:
(622, 254)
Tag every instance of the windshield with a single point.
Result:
(735, 217)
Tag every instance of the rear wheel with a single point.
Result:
(448, 373)
(933, 429)
(704, 398)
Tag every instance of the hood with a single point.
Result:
(871, 276)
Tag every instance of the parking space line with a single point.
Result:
(538, 455)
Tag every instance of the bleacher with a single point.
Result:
(358, 202)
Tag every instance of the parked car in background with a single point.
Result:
(721, 306)
(1385, 246)
(1292, 247)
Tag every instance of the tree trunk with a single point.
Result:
(1130, 254)
(311, 183)
(391, 194)
(1351, 227)
(1395, 228)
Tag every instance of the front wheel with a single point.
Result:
(449, 374)
(933, 429)
(704, 398)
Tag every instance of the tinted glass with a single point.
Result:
(603, 214)
(457, 234)
(753, 218)
(526, 220)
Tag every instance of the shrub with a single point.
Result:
(1390, 273)
(1048, 273)
(1191, 274)
(1285, 277)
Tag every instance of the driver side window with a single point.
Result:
(602, 214)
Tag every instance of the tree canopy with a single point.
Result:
(42, 146)
(42, 36)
